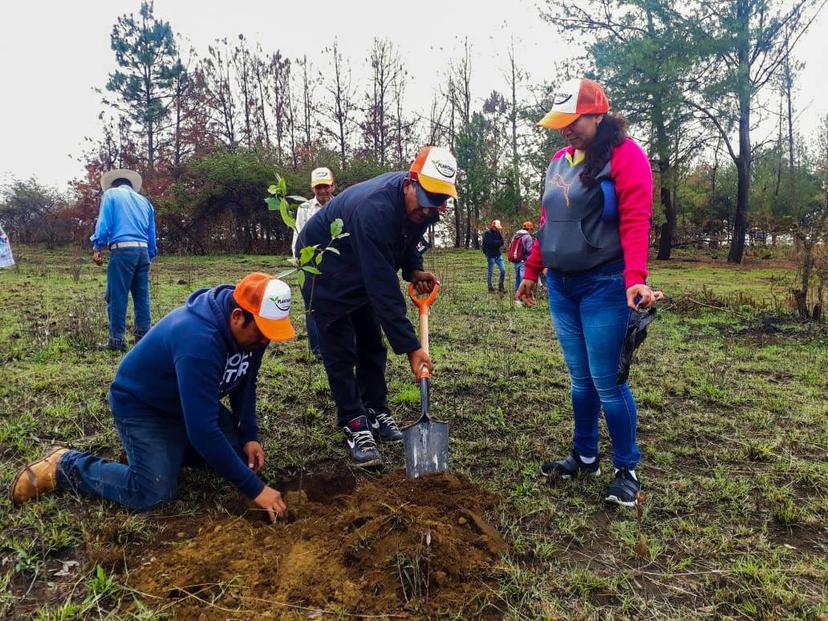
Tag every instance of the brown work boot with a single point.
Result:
(39, 477)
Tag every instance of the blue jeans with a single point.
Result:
(128, 272)
(520, 268)
(492, 261)
(157, 448)
(590, 315)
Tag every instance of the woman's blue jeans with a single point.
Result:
(128, 272)
(590, 315)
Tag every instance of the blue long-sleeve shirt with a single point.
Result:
(184, 365)
(125, 215)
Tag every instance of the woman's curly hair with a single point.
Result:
(612, 131)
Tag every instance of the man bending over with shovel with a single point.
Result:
(165, 400)
(358, 292)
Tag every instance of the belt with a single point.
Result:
(128, 244)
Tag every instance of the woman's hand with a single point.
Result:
(646, 296)
(526, 292)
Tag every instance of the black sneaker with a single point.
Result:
(384, 426)
(624, 489)
(361, 443)
(571, 466)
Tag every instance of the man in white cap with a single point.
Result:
(126, 225)
(166, 402)
(322, 185)
(357, 297)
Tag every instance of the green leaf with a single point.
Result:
(306, 254)
(311, 270)
(318, 258)
(272, 189)
(286, 217)
(282, 187)
(336, 227)
(272, 203)
(341, 235)
(297, 199)
(301, 278)
(285, 274)
(332, 249)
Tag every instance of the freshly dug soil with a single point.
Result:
(386, 546)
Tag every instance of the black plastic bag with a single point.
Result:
(636, 333)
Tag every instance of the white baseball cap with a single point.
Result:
(321, 176)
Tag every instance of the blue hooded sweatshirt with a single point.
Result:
(181, 369)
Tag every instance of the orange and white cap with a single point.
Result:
(572, 99)
(436, 170)
(268, 299)
(321, 176)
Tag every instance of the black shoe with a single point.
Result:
(624, 489)
(491, 289)
(361, 443)
(384, 426)
(571, 466)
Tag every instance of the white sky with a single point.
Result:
(52, 54)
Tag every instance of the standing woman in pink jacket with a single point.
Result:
(593, 238)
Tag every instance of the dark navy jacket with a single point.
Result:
(183, 366)
(492, 243)
(381, 241)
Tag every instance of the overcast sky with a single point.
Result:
(52, 54)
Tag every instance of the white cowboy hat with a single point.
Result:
(120, 173)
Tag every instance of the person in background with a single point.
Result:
(357, 297)
(596, 260)
(520, 248)
(166, 404)
(126, 225)
(492, 247)
(322, 185)
(6, 257)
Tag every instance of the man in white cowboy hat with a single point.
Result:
(322, 185)
(126, 225)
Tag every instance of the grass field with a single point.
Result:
(733, 428)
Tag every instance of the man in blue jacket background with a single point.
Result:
(165, 401)
(358, 296)
(126, 225)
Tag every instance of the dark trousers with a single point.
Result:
(313, 334)
(157, 448)
(354, 358)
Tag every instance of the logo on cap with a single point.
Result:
(282, 303)
(447, 170)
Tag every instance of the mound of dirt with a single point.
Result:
(379, 546)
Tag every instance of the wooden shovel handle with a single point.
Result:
(423, 304)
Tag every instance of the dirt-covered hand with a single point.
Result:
(271, 501)
(526, 292)
(97, 257)
(424, 281)
(419, 359)
(255, 455)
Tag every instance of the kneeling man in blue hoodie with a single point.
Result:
(165, 400)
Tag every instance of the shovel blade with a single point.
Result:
(426, 448)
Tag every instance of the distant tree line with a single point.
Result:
(208, 130)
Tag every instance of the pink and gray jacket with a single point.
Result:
(575, 235)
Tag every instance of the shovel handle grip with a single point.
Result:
(423, 303)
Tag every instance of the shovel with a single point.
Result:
(426, 441)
